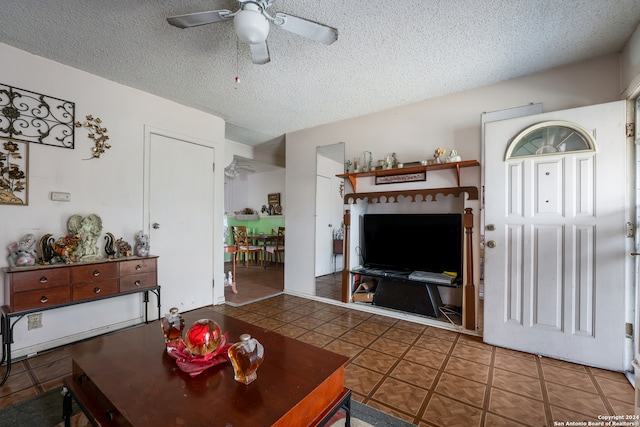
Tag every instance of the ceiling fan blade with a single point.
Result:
(259, 53)
(305, 28)
(200, 18)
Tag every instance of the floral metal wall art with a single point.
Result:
(14, 172)
(96, 133)
(33, 117)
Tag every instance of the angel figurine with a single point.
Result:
(88, 229)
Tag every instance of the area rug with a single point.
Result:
(45, 410)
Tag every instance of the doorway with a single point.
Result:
(329, 218)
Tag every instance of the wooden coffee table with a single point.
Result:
(127, 379)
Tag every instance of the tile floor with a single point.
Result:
(422, 374)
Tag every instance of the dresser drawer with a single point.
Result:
(95, 289)
(40, 298)
(137, 281)
(86, 273)
(39, 279)
(137, 266)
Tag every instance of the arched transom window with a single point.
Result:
(550, 138)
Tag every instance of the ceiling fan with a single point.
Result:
(234, 169)
(251, 22)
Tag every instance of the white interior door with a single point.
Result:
(324, 229)
(181, 207)
(556, 277)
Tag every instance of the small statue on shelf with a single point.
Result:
(46, 249)
(88, 229)
(110, 246)
(23, 253)
(142, 244)
(124, 248)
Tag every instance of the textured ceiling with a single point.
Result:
(388, 53)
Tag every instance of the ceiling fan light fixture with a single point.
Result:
(251, 26)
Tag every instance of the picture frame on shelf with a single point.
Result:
(408, 177)
(273, 198)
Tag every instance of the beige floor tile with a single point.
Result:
(379, 362)
(443, 411)
(569, 377)
(461, 389)
(516, 383)
(575, 400)
(467, 369)
(361, 380)
(518, 408)
(344, 347)
(414, 373)
(426, 357)
(616, 390)
(398, 394)
(472, 353)
(391, 347)
(521, 365)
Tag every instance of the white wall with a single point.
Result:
(415, 131)
(111, 186)
(265, 183)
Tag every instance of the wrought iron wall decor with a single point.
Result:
(96, 133)
(33, 117)
(14, 172)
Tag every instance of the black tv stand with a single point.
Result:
(396, 291)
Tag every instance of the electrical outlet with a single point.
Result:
(58, 196)
(34, 321)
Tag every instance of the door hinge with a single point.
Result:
(630, 229)
(628, 330)
(214, 167)
(631, 130)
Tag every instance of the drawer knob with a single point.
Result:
(137, 283)
(44, 299)
(96, 273)
(96, 290)
(44, 279)
(138, 267)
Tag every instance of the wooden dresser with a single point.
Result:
(46, 287)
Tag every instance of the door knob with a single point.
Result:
(156, 225)
(491, 243)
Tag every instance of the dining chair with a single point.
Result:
(276, 251)
(243, 246)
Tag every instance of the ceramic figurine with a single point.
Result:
(453, 157)
(110, 247)
(124, 248)
(46, 249)
(438, 155)
(23, 253)
(142, 244)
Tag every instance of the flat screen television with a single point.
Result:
(410, 242)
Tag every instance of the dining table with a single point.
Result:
(263, 239)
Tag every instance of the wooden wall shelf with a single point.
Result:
(352, 177)
(392, 196)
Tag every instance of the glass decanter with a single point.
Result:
(246, 356)
(172, 325)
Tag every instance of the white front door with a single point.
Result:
(181, 220)
(556, 255)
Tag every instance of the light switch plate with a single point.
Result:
(60, 197)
